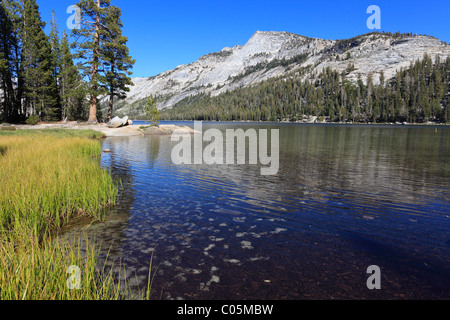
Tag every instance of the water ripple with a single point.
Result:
(338, 204)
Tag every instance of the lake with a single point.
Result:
(345, 197)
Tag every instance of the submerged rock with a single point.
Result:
(156, 130)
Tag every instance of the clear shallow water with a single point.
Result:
(345, 198)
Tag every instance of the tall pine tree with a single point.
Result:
(118, 60)
(89, 50)
(11, 80)
(41, 91)
(71, 86)
(102, 50)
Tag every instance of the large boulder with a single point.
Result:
(117, 122)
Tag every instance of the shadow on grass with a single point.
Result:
(3, 150)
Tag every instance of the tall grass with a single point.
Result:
(60, 133)
(35, 270)
(46, 179)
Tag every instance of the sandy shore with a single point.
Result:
(130, 130)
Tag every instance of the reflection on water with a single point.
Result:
(345, 198)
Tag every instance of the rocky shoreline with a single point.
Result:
(163, 129)
(124, 131)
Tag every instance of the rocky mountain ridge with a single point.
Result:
(272, 54)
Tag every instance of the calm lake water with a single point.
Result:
(345, 197)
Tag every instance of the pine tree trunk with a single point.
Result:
(111, 103)
(93, 110)
(93, 105)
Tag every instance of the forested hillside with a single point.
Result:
(419, 94)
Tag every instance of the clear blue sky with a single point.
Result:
(165, 34)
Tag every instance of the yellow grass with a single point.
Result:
(45, 180)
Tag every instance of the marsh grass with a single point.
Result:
(37, 270)
(59, 133)
(46, 179)
(9, 128)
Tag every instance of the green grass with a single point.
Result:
(60, 133)
(149, 126)
(47, 178)
(9, 128)
(32, 270)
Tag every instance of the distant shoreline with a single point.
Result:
(125, 131)
(313, 123)
(167, 127)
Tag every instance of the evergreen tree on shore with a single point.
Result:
(55, 63)
(37, 72)
(11, 80)
(102, 49)
(41, 91)
(72, 87)
(118, 60)
(89, 50)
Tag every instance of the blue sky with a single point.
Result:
(165, 34)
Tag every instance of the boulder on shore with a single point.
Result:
(117, 122)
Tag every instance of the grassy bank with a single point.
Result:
(47, 178)
(58, 133)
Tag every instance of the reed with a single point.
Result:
(47, 179)
(60, 133)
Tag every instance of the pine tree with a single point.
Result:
(118, 60)
(41, 92)
(11, 80)
(3, 70)
(152, 111)
(55, 63)
(89, 48)
(5, 32)
(71, 86)
(103, 51)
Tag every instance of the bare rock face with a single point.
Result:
(272, 54)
